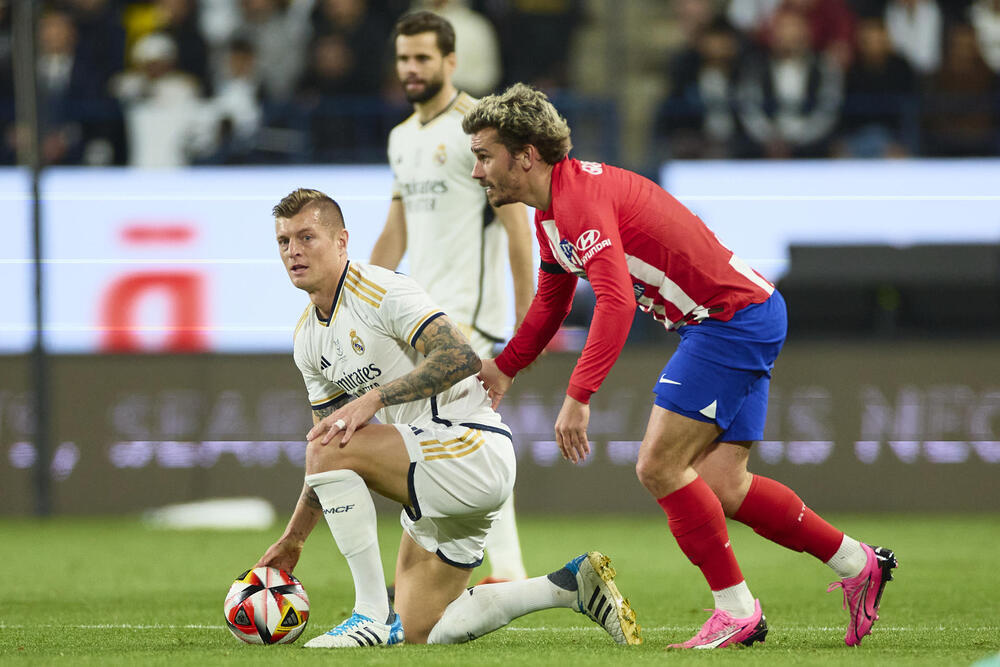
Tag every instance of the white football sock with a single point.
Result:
(483, 609)
(350, 513)
(850, 558)
(503, 546)
(736, 600)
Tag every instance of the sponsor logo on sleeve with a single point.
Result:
(587, 239)
(590, 243)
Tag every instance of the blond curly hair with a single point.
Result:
(522, 115)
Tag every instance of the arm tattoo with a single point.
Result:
(448, 358)
(310, 498)
(338, 403)
(319, 413)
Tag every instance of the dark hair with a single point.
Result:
(242, 45)
(415, 23)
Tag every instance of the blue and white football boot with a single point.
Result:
(359, 632)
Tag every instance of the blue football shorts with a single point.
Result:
(721, 371)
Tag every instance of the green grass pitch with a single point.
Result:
(96, 591)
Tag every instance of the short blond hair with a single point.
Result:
(522, 115)
(302, 198)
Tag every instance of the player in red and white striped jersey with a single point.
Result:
(638, 246)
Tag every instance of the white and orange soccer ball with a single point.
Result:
(266, 605)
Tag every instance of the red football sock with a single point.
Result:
(774, 511)
(698, 524)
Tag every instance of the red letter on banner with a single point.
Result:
(186, 314)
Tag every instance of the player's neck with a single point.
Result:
(434, 106)
(322, 297)
(540, 187)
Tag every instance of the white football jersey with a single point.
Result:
(457, 251)
(377, 317)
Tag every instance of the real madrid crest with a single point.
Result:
(357, 344)
(441, 154)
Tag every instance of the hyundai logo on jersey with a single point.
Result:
(587, 239)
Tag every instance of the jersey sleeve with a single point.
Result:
(406, 310)
(587, 218)
(322, 392)
(549, 307)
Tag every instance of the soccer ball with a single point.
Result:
(266, 605)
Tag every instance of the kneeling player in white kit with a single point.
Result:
(371, 344)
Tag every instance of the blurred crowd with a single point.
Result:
(159, 83)
(829, 78)
(164, 83)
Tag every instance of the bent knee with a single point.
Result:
(661, 473)
(320, 457)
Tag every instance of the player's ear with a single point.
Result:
(528, 155)
(342, 236)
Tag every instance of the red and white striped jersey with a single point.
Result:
(637, 245)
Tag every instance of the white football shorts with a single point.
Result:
(459, 477)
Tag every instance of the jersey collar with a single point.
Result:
(336, 298)
(458, 93)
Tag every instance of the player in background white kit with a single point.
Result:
(373, 344)
(457, 244)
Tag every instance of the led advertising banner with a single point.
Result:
(17, 315)
(851, 426)
(759, 209)
(175, 261)
(185, 260)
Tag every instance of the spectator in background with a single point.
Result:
(690, 19)
(879, 85)
(535, 40)
(915, 30)
(60, 79)
(698, 119)
(219, 21)
(280, 34)
(867, 9)
(348, 55)
(100, 36)
(831, 27)
(959, 117)
(831, 23)
(234, 112)
(985, 18)
(477, 46)
(751, 16)
(6, 76)
(162, 105)
(338, 127)
(178, 20)
(75, 112)
(790, 99)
